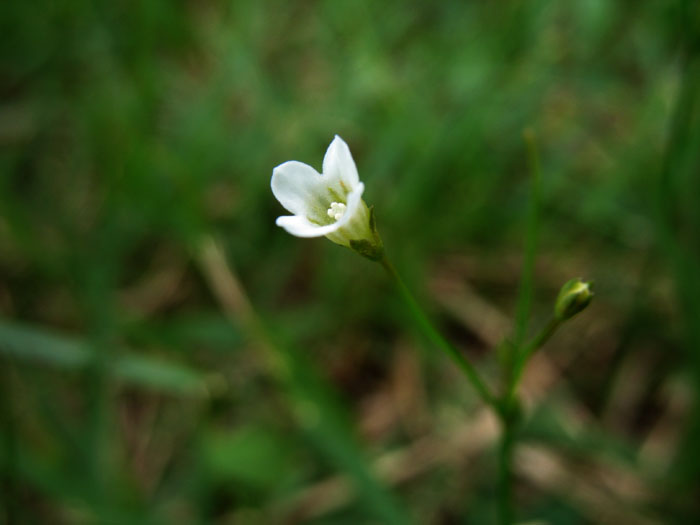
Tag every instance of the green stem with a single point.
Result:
(524, 355)
(437, 339)
(527, 279)
(505, 472)
(509, 414)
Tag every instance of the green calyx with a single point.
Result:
(372, 248)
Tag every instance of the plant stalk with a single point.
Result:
(437, 339)
(524, 355)
(505, 472)
(509, 412)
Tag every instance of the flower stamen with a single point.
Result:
(336, 211)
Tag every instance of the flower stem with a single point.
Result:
(437, 339)
(509, 413)
(524, 355)
(505, 472)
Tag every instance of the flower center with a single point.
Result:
(336, 210)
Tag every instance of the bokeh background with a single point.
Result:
(168, 355)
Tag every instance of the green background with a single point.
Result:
(168, 355)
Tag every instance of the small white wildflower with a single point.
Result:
(328, 204)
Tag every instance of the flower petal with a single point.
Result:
(297, 186)
(339, 165)
(303, 227)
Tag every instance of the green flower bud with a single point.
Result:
(573, 297)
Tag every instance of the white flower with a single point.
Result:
(328, 204)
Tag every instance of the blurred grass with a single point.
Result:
(129, 131)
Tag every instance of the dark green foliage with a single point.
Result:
(130, 131)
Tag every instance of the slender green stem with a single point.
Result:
(505, 473)
(506, 407)
(517, 354)
(509, 414)
(524, 355)
(527, 278)
(437, 339)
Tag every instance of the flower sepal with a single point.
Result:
(371, 246)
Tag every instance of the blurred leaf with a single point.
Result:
(185, 332)
(249, 455)
(40, 346)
